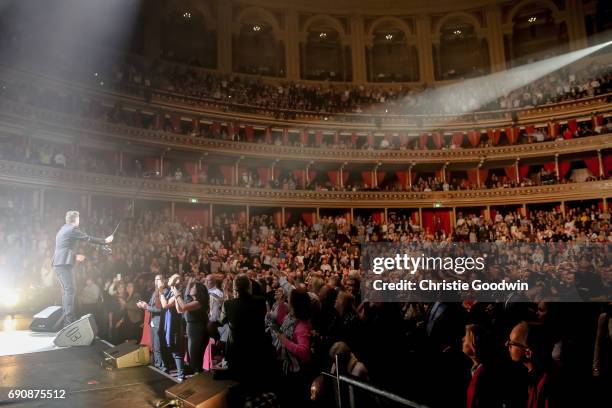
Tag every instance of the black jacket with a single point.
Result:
(66, 242)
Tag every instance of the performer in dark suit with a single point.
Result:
(65, 257)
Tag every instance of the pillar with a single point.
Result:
(576, 29)
(89, 205)
(524, 210)
(516, 169)
(152, 29)
(605, 204)
(353, 215)
(282, 216)
(563, 208)
(601, 167)
(358, 49)
(410, 177)
(421, 218)
(495, 39)
(41, 202)
(557, 165)
(211, 219)
(120, 161)
(172, 211)
(478, 176)
(318, 214)
(248, 215)
(292, 46)
(488, 213)
(386, 211)
(424, 46)
(454, 218)
(224, 36)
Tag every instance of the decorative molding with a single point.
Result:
(40, 120)
(36, 176)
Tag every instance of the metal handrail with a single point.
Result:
(369, 388)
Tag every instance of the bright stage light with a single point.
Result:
(485, 89)
(11, 297)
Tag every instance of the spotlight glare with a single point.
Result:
(457, 32)
(532, 19)
(389, 37)
(256, 28)
(323, 35)
(187, 15)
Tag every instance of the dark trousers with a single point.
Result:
(159, 347)
(197, 340)
(66, 278)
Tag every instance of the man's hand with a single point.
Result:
(80, 258)
(109, 239)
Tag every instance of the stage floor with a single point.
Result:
(37, 365)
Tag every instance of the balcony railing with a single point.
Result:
(44, 177)
(27, 116)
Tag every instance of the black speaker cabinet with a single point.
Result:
(49, 319)
(201, 391)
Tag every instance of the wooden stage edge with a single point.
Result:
(77, 374)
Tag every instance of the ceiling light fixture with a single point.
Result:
(256, 27)
(323, 35)
(186, 15)
(532, 19)
(389, 37)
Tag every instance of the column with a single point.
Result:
(152, 29)
(601, 168)
(121, 161)
(488, 213)
(576, 29)
(516, 169)
(424, 46)
(89, 205)
(224, 36)
(557, 165)
(248, 216)
(386, 219)
(421, 218)
(211, 219)
(605, 204)
(353, 215)
(454, 218)
(495, 39)
(172, 211)
(282, 216)
(292, 45)
(563, 208)
(358, 49)
(318, 215)
(41, 203)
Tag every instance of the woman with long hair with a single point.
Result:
(194, 305)
(482, 391)
(292, 343)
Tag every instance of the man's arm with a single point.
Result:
(80, 235)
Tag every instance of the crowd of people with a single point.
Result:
(276, 305)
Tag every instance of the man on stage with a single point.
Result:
(65, 257)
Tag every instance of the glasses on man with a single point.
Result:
(510, 343)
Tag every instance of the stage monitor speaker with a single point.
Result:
(49, 319)
(201, 391)
(80, 333)
(127, 355)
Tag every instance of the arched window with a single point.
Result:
(187, 39)
(257, 51)
(324, 55)
(392, 55)
(535, 35)
(461, 52)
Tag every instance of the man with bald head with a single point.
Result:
(530, 346)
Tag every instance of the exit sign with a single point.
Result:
(193, 200)
(437, 205)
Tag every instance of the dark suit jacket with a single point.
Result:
(66, 241)
(247, 352)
